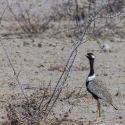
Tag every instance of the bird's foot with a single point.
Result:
(98, 119)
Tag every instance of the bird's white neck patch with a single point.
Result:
(93, 56)
(90, 78)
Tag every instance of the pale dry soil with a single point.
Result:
(37, 64)
(43, 61)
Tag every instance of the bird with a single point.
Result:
(96, 89)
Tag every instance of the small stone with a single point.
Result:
(68, 34)
(53, 45)
(114, 39)
(79, 100)
(88, 100)
(35, 44)
(2, 117)
(118, 94)
(42, 123)
(74, 123)
(120, 33)
(105, 47)
(61, 68)
(120, 117)
(39, 45)
(105, 74)
(25, 59)
(106, 66)
(18, 45)
(25, 43)
(110, 51)
(93, 111)
(106, 29)
(66, 115)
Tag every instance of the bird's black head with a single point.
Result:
(90, 56)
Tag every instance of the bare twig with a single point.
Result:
(15, 74)
(3, 14)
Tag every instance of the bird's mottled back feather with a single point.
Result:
(99, 90)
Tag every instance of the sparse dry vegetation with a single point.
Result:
(79, 20)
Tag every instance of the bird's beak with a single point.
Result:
(86, 55)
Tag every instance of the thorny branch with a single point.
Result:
(15, 74)
(70, 63)
(3, 14)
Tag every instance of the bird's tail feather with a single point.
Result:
(115, 107)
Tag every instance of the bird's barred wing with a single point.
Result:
(100, 91)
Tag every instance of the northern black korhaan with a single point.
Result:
(97, 90)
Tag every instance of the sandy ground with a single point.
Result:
(39, 63)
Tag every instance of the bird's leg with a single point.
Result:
(98, 111)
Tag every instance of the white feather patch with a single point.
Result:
(93, 56)
(90, 78)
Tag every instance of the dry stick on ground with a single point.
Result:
(29, 22)
(26, 108)
(22, 26)
(17, 19)
(59, 89)
(94, 20)
(15, 74)
(25, 27)
(3, 14)
(66, 76)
